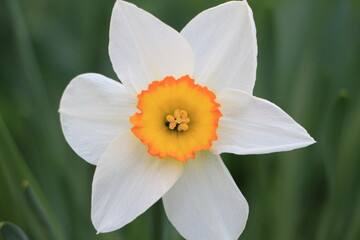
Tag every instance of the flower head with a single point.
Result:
(184, 99)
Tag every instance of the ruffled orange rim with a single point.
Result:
(163, 98)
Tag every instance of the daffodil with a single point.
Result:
(184, 99)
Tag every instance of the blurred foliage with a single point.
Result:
(10, 231)
(308, 64)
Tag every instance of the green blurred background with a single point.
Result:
(308, 64)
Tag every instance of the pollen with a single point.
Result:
(178, 121)
(177, 118)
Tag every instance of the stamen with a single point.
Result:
(170, 118)
(178, 121)
(183, 127)
(183, 114)
(172, 125)
(186, 120)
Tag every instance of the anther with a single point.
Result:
(183, 127)
(178, 121)
(170, 118)
(172, 125)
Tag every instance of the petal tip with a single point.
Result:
(312, 141)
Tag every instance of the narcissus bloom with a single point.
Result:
(184, 99)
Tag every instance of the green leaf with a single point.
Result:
(39, 210)
(10, 231)
(14, 169)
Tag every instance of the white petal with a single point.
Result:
(223, 39)
(252, 125)
(93, 111)
(128, 181)
(143, 49)
(205, 203)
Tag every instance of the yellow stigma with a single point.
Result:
(179, 120)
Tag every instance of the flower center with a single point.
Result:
(177, 118)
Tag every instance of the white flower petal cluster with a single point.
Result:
(218, 48)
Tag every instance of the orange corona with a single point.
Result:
(177, 118)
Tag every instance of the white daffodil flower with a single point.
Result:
(184, 99)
